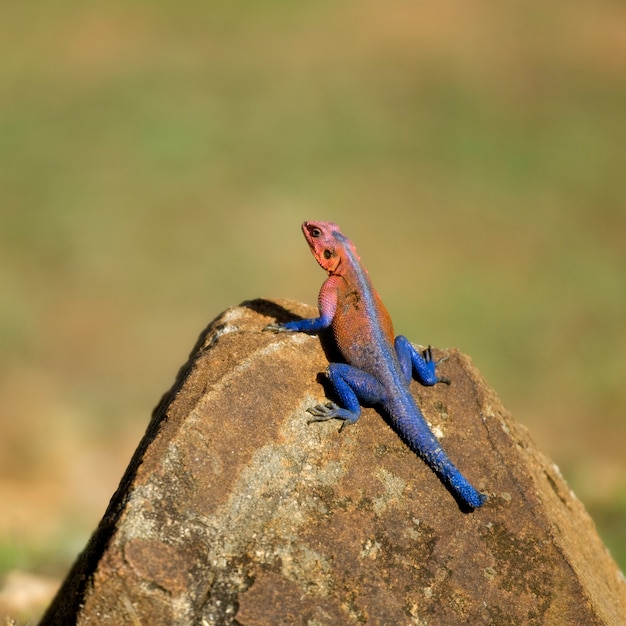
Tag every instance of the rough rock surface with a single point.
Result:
(234, 511)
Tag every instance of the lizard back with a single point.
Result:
(362, 326)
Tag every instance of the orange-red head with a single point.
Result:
(327, 244)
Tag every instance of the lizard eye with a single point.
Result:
(327, 254)
(316, 232)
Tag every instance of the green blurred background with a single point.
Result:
(157, 158)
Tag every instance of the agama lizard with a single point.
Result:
(378, 369)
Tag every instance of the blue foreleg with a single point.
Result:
(311, 325)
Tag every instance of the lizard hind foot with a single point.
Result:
(329, 411)
(323, 412)
(432, 364)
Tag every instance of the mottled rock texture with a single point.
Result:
(235, 511)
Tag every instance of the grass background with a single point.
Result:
(157, 158)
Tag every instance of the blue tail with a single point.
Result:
(414, 430)
(459, 485)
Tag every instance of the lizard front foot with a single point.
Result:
(279, 328)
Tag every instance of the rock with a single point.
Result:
(234, 510)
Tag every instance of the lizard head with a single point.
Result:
(327, 244)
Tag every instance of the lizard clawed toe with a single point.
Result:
(323, 412)
(329, 411)
(274, 328)
(428, 357)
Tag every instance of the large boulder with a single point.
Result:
(234, 510)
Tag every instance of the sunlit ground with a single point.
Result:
(156, 160)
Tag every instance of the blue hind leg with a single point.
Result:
(413, 362)
(353, 386)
